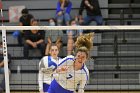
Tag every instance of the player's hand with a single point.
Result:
(62, 69)
(60, 13)
(47, 70)
(41, 91)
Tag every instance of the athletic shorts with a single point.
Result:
(45, 87)
(56, 88)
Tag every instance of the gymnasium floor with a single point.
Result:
(95, 92)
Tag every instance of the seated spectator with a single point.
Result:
(93, 12)
(76, 18)
(24, 20)
(72, 35)
(34, 39)
(2, 84)
(63, 12)
(53, 36)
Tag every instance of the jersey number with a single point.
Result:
(70, 76)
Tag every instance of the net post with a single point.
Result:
(5, 55)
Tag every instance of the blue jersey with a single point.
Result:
(67, 8)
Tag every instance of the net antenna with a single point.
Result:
(4, 43)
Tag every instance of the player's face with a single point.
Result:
(54, 51)
(81, 58)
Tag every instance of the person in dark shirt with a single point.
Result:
(93, 12)
(34, 39)
(24, 20)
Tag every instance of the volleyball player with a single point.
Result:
(46, 66)
(72, 69)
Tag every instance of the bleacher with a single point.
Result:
(107, 71)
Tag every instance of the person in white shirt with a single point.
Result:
(72, 70)
(47, 65)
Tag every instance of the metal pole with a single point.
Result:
(6, 70)
(122, 23)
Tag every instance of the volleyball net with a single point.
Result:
(113, 64)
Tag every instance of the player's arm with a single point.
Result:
(40, 75)
(82, 86)
(65, 63)
(1, 63)
(83, 82)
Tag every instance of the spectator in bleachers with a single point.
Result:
(93, 12)
(53, 36)
(72, 35)
(77, 20)
(63, 12)
(24, 20)
(2, 84)
(34, 39)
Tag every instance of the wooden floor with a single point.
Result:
(93, 92)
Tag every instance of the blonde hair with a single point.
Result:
(84, 43)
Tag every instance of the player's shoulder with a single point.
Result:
(67, 59)
(70, 57)
(44, 58)
(59, 58)
(43, 61)
(85, 70)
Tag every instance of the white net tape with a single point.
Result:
(132, 27)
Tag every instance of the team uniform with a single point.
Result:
(46, 66)
(67, 82)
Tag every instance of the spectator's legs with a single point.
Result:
(26, 50)
(87, 20)
(67, 18)
(2, 84)
(99, 20)
(20, 38)
(42, 48)
(59, 20)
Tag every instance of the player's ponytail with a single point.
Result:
(84, 43)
